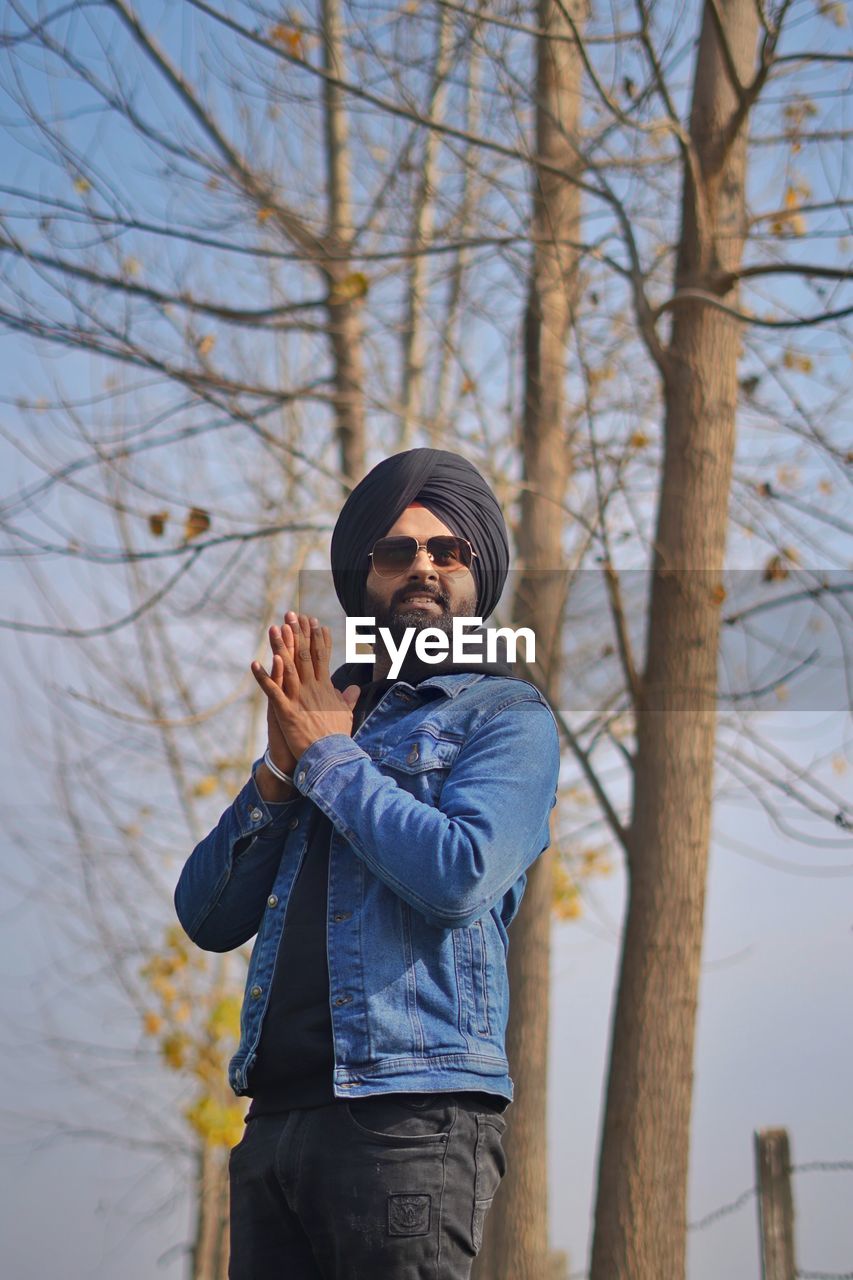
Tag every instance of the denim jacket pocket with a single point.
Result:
(421, 761)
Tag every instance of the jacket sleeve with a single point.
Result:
(223, 888)
(455, 861)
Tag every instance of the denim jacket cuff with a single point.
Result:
(322, 755)
(254, 813)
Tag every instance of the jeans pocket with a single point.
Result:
(490, 1165)
(391, 1119)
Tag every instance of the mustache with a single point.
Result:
(404, 596)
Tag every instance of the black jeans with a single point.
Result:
(383, 1188)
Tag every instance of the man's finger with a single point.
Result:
(266, 681)
(319, 649)
(291, 682)
(302, 657)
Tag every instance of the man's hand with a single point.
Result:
(270, 787)
(301, 699)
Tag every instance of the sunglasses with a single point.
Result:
(448, 553)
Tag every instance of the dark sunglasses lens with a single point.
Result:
(393, 555)
(449, 553)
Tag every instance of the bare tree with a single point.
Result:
(282, 244)
(516, 1242)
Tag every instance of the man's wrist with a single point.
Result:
(272, 789)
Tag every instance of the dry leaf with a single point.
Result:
(206, 786)
(265, 214)
(152, 1022)
(353, 286)
(775, 570)
(197, 522)
(157, 523)
(206, 344)
(82, 185)
(290, 38)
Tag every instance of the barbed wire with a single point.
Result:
(723, 1211)
(811, 1166)
(824, 1275)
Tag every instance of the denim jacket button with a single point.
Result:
(256, 814)
(340, 916)
(302, 776)
(293, 824)
(343, 999)
(413, 754)
(272, 900)
(255, 992)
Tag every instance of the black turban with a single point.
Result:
(447, 485)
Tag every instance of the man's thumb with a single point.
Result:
(351, 695)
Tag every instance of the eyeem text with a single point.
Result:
(432, 644)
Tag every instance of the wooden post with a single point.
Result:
(775, 1204)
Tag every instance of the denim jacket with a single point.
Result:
(439, 803)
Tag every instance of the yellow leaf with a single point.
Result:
(174, 1049)
(82, 185)
(265, 214)
(834, 10)
(353, 286)
(638, 440)
(166, 990)
(152, 1022)
(157, 522)
(567, 900)
(131, 266)
(207, 785)
(220, 1125)
(196, 523)
(289, 37)
(468, 385)
(839, 765)
(206, 344)
(825, 486)
(224, 1019)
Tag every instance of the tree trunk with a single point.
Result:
(640, 1223)
(345, 286)
(516, 1241)
(210, 1248)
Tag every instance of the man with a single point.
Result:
(379, 852)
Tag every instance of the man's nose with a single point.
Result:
(422, 566)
